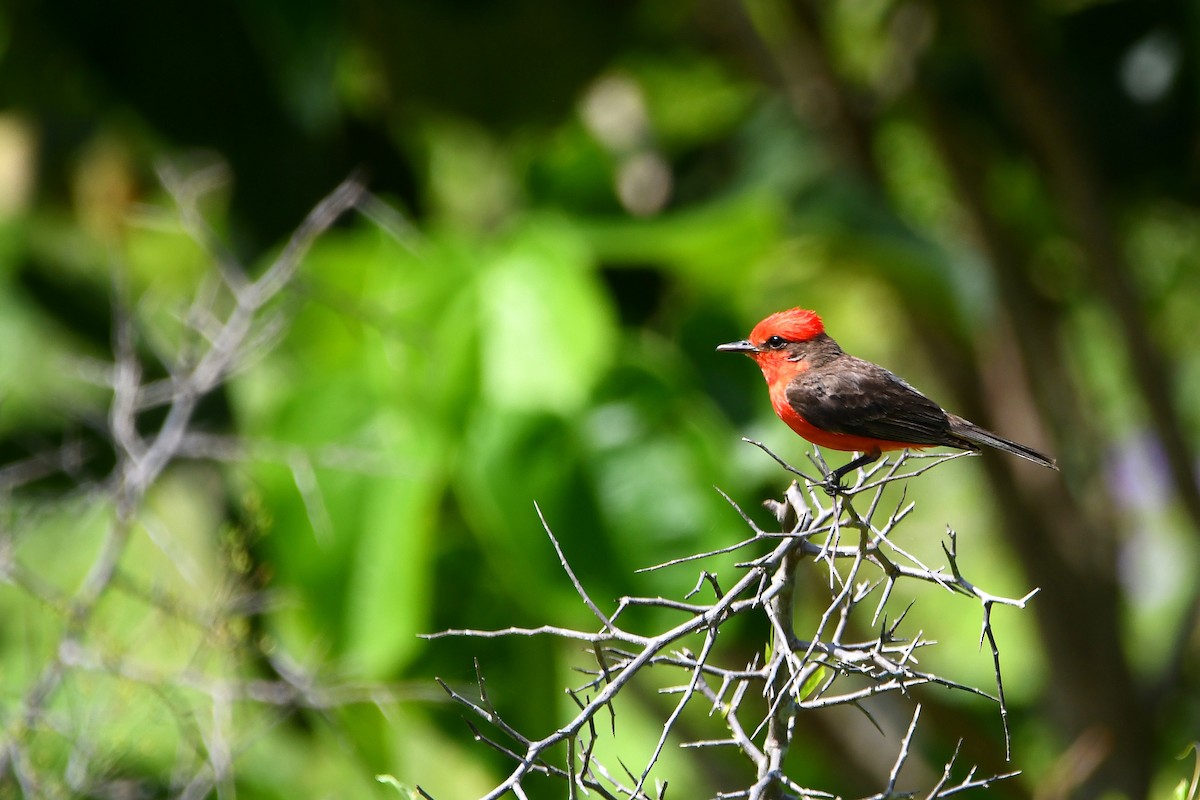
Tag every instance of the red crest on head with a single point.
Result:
(795, 325)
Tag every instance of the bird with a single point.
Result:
(842, 402)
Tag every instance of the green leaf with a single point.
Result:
(717, 245)
(547, 327)
(388, 587)
(813, 683)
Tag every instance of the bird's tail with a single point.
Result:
(977, 435)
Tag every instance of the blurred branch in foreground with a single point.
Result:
(62, 737)
(833, 664)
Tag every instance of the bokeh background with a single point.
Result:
(578, 201)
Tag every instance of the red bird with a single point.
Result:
(838, 401)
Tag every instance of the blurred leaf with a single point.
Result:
(717, 245)
(389, 578)
(356, 385)
(1190, 789)
(470, 176)
(865, 42)
(513, 459)
(162, 259)
(692, 100)
(547, 327)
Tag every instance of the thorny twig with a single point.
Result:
(795, 671)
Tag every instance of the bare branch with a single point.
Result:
(793, 673)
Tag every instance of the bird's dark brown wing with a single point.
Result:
(855, 397)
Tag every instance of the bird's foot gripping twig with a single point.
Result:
(832, 484)
(832, 480)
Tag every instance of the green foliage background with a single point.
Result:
(518, 328)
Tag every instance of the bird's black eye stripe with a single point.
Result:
(776, 342)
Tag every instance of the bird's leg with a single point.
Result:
(833, 481)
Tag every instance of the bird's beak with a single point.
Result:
(744, 346)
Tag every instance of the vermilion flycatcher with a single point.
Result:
(835, 400)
